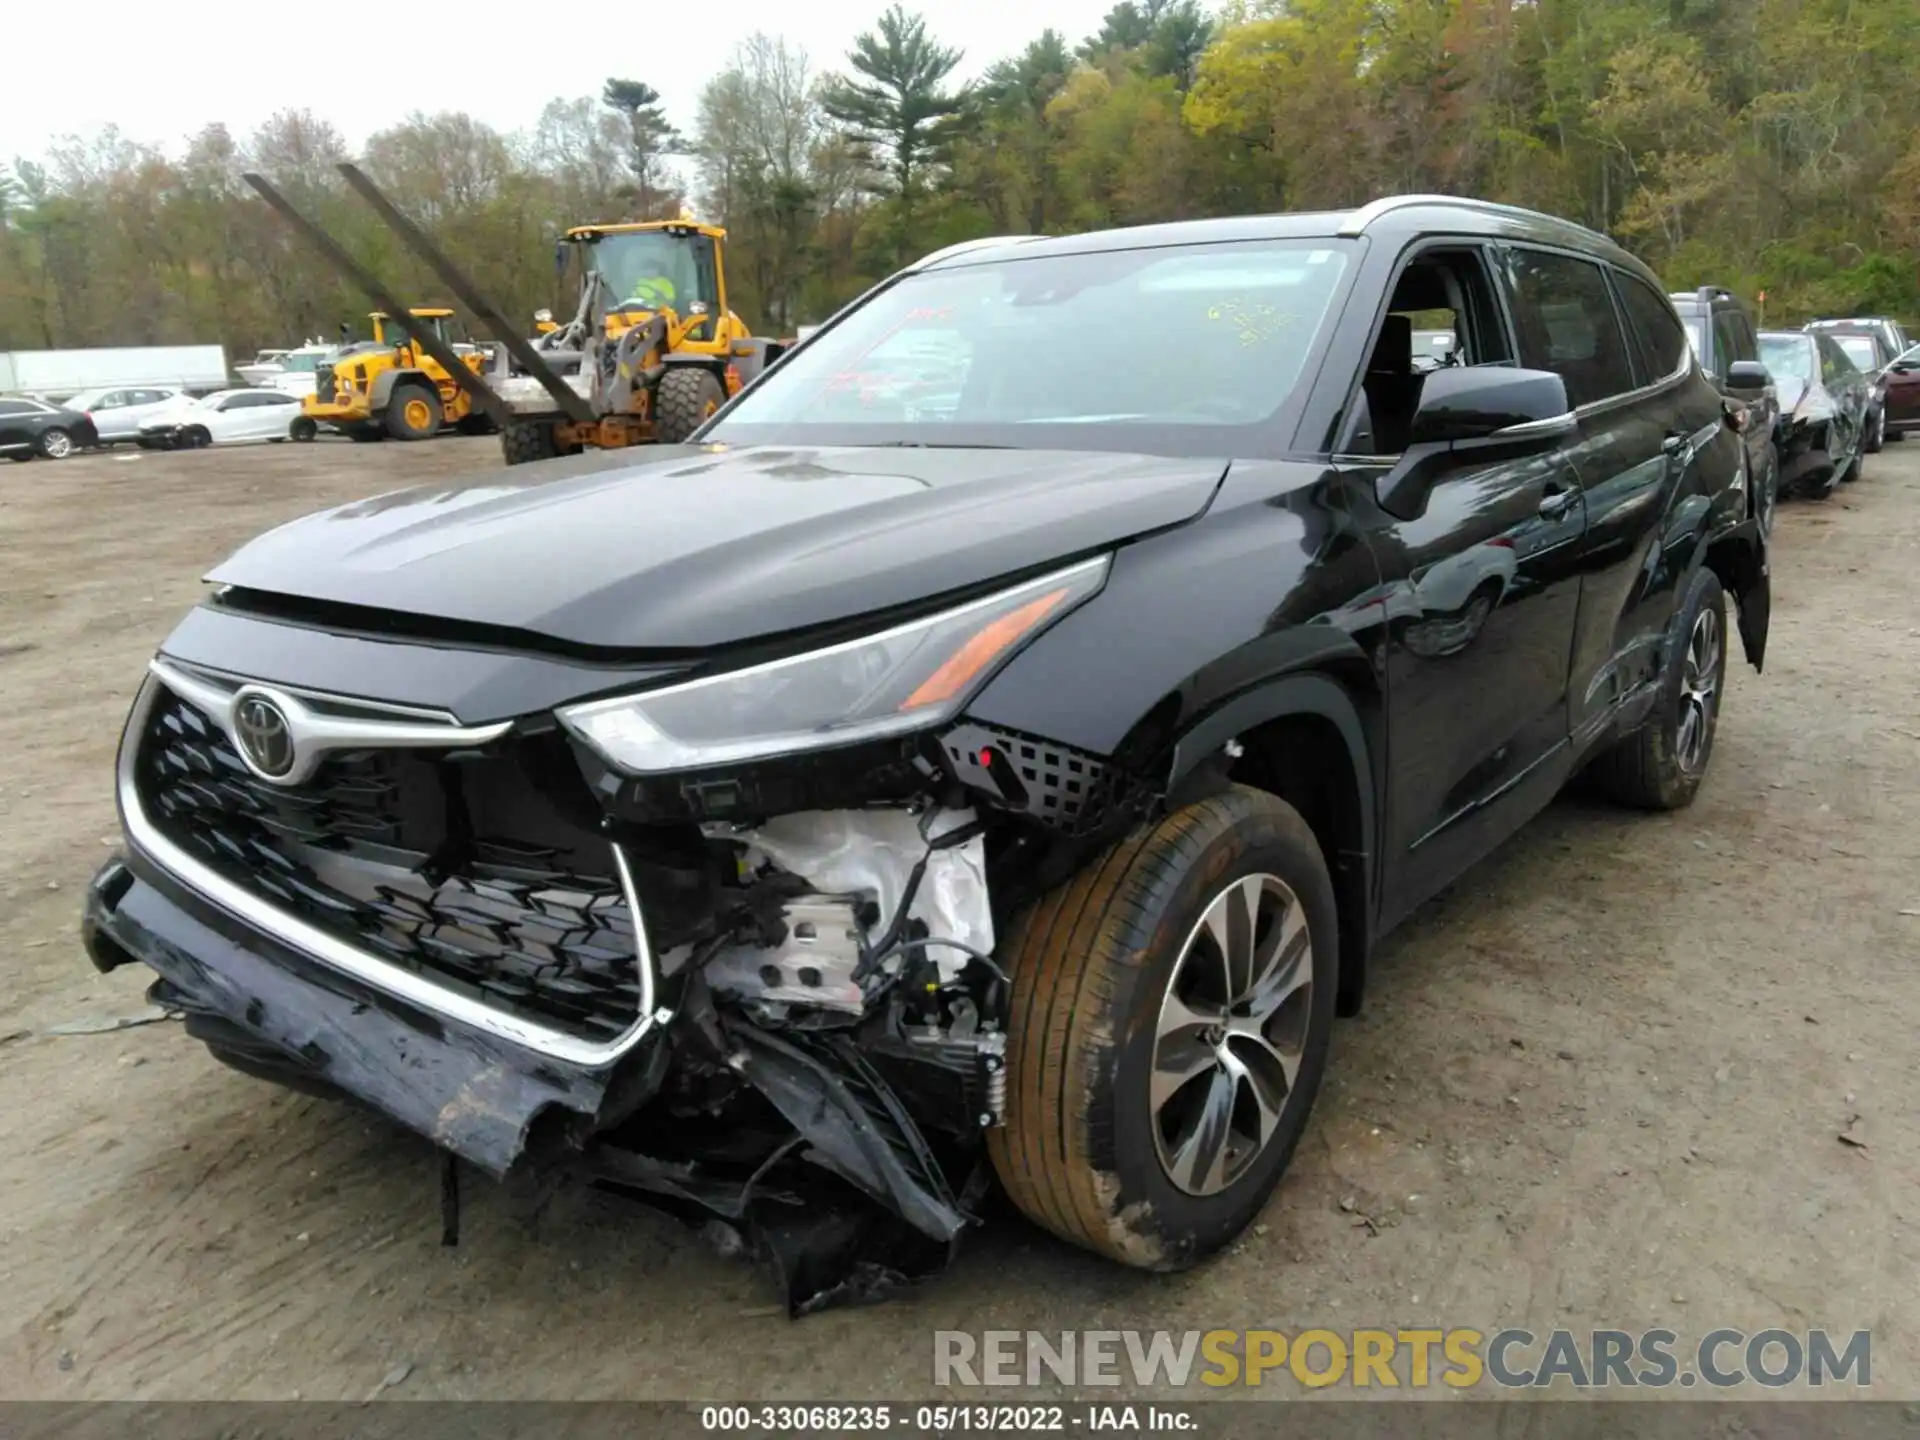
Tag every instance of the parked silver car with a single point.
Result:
(119, 413)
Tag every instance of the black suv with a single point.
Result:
(1728, 347)
(993, 748)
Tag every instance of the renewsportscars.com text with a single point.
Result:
(1414, 1359)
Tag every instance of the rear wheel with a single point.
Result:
(683, 401)
(413, 413)
(302, 429)
(1169, 1020)
(55, 443)
(1766, 490)
(1660, 765)
(1876, 432)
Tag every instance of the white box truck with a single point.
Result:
(56, 374)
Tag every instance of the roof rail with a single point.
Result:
(966, 247)
(1357, 222)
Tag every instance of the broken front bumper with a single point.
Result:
(267, 1008)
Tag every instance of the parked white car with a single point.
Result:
(228, 417)
(119, 413)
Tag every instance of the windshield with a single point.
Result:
(302, 364)
(650, 268)
(1860, 350)
(1788, 355)
(1206, 336)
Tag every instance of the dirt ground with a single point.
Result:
(1599, 1083)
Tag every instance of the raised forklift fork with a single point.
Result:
(564, 395)
(396, 310)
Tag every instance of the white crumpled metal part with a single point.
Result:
(872, 852)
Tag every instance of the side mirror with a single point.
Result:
(1468, 414)
(1748, 375)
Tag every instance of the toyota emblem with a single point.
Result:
(265, 738)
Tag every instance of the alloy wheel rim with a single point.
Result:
(1699, 689)
(1231, 1034)
(59, 445)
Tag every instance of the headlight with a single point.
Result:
(908, 678)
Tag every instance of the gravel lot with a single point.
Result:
(1599, 1083)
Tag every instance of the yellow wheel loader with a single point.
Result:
(391, 386)
(650, 353)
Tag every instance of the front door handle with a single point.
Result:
(1556, 503)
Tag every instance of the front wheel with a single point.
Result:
(1169, 1021)
(303, 429)
(1876, 432)
(413, 413)
(525, 443)
(686, 397)
(1660, 765)
(196, 438)
(55, 443)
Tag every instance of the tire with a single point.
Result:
(478, 423)
(682, 402)
(20, 459)
(1876, 435)
(303, 430)
(55, 443)
(413, 413)
(1660, 765)
(196, 438)
(1096, 967)
(524, 444)
(1766, 491)
(365, 434)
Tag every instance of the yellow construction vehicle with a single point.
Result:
(651, 351)
(653, 340)
(391, 385)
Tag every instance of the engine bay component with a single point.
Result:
(816, 964)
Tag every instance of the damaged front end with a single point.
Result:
(726, 944)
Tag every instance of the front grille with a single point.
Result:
(459, 870)
(323, 383)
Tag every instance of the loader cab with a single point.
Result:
(666, 265)
(387, 333)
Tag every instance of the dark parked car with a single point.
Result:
(1722, 335)
(801, 825)
(33, 427)
(1824, 403)
(1902, 394)
(1872, 345)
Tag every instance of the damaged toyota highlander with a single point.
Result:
(987, 753)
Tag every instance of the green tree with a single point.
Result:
(898, 106)
(650, 135)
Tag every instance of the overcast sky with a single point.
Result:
(160, 73)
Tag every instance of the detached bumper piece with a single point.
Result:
(797, 1146)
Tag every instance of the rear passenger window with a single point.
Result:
(1663, 343)
(1568, 325)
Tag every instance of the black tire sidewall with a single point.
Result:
(1190, 1227)
(1704, 590)
(680, 402)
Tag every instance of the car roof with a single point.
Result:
(1393, 216)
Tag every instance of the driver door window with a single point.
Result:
(1442, 312)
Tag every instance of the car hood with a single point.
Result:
(691, 547)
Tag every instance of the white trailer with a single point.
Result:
(56, 374)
